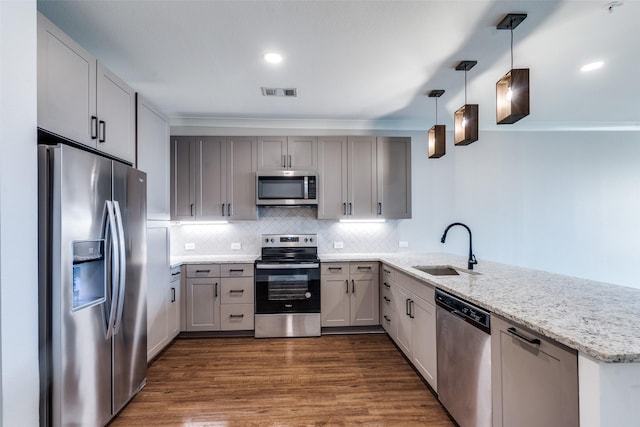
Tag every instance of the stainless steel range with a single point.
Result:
(287, 281)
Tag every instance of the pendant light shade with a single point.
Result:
(465, 120)
(437, 134)
(512, 90)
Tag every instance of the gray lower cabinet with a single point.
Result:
(349, 294)
(534, 379)
(213, 178)
(163, 293)
(364, 177)
(411, 320)
(219, 297)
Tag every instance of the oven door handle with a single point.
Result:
(306, 266)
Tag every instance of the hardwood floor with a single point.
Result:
(338, 380)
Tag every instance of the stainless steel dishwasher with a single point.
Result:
(463, 338)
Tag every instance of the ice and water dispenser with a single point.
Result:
(89, 285)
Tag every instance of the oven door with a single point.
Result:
(287, 288)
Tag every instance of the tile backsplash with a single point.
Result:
(217, 239)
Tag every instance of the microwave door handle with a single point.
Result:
(306, 187)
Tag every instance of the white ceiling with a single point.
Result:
(370, 61)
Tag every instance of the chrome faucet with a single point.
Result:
(472, 258)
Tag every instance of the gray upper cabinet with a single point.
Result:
(394, 177)
(292, 152)
(183, 178)
(332, 179)
(213, 178)
(80, 99)
(363, 177)
(154, 157)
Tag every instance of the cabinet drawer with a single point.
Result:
(388, 274)
(236, 317)
(335, 269)
(363, 268)
(203, 270)
(233, 270)
(423, 290)
(237, 290)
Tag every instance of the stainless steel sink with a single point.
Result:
(437, 270)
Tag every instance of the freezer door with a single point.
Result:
(74, 287)
(130, 332)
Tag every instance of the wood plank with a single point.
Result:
(334, 380)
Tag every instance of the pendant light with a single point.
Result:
(465, 120)
(437, 133)
(512, 90)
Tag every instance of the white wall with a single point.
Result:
(566, 202)
(18, 215)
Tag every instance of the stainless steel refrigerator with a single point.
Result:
(92, 286)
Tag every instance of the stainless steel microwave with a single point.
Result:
(286, 188)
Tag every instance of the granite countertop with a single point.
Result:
(598, 319)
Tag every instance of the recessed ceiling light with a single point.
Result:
(592, 66)
(273, 58)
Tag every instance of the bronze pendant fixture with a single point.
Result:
(465, 120)
(512, 90)
(437, 134)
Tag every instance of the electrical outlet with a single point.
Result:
(338, 245)
(403, 244)
(236, 246)
(189, 246)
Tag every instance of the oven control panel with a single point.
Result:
(288, 240)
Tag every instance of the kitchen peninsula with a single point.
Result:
(593, 318)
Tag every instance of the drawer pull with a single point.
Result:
(387, 300)
(235, 291)
(534, 341)
(364, 267)
(387, 319)
(386, 285)
(236, 270)
(386, 271)
(236, 316)
(203, 271)
(335, 268)
(176, 273)
(173, 294)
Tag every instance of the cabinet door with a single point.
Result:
(365, 302)
(242, 161)
(66, 85)
(332, 185)
(362, 197)
(403, 337)
(533, 384)
(203, 304)
(157, 281)
(335, 301)
(116, 116)
(272, 153)
(302, 153)
(173, 309)
(154, 157)
(394, 177)
(183, 178)
(423, 342)
(211, 178)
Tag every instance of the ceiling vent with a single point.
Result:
(271, 91)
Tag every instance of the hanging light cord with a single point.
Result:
(511, 28)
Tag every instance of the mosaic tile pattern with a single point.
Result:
(217, 239)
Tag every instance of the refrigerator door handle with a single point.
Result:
(115, 267)
(122, 259)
